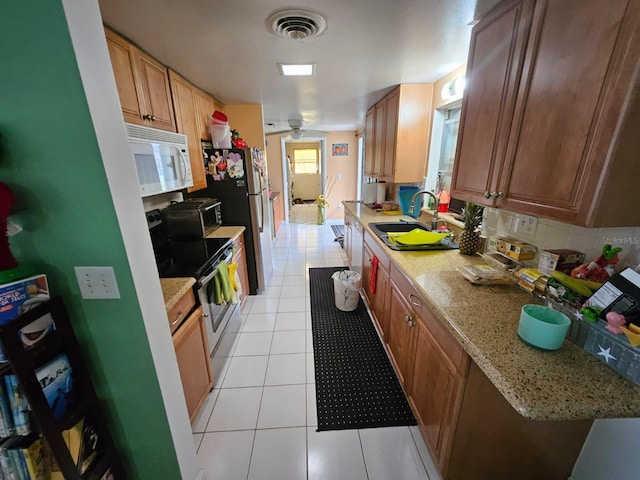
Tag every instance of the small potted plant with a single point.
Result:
(469, 239)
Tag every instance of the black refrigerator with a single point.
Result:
(238, 178)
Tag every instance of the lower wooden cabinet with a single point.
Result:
(435, 394)
(401, 336)
(470, 429)
(278, 213)
(192, 354)
(378, 301)
(493, 441)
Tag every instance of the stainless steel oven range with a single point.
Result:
(199, 258)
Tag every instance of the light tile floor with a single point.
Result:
(259, 422)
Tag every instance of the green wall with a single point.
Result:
(51, 160)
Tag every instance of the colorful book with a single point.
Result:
(56, 381)
(6, 462)
(5, 411)
(19, 405)
(83, 443)
(37, 460)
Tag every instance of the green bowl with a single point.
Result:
(543, 327)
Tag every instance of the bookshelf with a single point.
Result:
(54, 362)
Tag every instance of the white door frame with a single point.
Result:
(285, 168)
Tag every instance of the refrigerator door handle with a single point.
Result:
(261, 224)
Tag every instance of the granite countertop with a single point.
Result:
(226, 231)
(561, 385)
(173, 289)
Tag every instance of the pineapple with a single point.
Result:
(469, 239)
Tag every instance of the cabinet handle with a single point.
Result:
(414, 302)
(407, 318)
(178, 317)
(412, 323)
(153, 118)
(204, 315)
(487, 195)
(146, 116)
(496, 194)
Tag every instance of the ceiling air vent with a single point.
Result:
(296, 23)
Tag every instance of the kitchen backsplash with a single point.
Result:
(553, 234)
(160, 201)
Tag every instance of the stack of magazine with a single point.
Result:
(24, 455)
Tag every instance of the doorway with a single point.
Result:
(303, 167)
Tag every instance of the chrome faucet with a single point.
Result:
(412, 206)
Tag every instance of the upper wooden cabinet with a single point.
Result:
(397, 134)
(550, 111)
(205, 106)
(143, 85)
(184, 104)
(368, 142)
(193, 109)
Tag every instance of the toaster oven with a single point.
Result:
(195, 217)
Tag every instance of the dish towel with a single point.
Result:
(374, 271)
(225, 284)
(234, 280)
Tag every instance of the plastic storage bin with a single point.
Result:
(346, 287)
(220, 136)
(613, 350)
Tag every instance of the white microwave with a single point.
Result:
(161, 159)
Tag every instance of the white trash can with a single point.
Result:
(346, 286)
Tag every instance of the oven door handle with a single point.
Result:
(214, 270)
(210, 207)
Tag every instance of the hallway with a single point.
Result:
(304, 213)
(259, 422)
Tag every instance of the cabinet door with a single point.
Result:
(204, 108)
(378, 147)
(377, 300)
(192, 354)
(495, 61)
(568, 64)
(154, 78)
(369, 142)
(401, 336)
(123, 62)
(185, 106)
(436, 394)
(390, 131)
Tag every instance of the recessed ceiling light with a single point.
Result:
(304, 69)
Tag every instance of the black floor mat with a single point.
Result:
(356, 386)
(338, 231)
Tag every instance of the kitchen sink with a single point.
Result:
(382, 230)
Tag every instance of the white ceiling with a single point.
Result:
(369, 46)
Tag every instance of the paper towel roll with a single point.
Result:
(382, 193)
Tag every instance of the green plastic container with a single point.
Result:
(543, 327)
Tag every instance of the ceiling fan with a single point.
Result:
(296, 131)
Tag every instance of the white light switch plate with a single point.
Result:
(97, 282)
